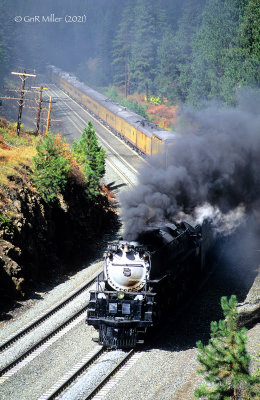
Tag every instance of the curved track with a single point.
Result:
(114, 159)
(127, 173)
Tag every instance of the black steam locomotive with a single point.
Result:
(146, 279)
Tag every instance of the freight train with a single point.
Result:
(143, 135)
(144, 280)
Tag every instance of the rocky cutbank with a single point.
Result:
(38, 240)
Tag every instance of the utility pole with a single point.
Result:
(49, 116)
(39, 111)
(22, 101)
(38, 120)
(24, 76)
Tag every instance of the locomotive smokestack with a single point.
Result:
(215, 167)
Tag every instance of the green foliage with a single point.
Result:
(122, 45)
(256, 368)
(184, 50)
(132, 105)
(5, 222)
(91, 156)
(174, 75)
(225, 360)
(50, 169)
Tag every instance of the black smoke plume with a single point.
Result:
(212, 169)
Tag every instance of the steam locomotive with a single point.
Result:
(145, 279)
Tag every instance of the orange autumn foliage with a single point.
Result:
(77, 172)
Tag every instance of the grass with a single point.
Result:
(15, 152)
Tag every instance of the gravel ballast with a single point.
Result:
(94, 376)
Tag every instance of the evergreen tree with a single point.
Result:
(175, 55)
(149, 27)
(122, 47)
(220, 21)
(50, 169)
(249, 34)
(91, 156)
(225, 361)
(242, 62)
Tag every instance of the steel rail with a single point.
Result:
(41, 342)
(101, 139)
(72, 375)
(32, 325)
(104, 125)
(110, 374)
(108, 160)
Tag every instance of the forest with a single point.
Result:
(185, 51)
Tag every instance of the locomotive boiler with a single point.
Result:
(145, 279)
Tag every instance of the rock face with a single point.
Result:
(37, 239)
(249, 310)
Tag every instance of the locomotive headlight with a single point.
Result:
(120, 295)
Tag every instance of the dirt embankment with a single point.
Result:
(39, 241)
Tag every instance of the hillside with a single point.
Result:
(40, 240)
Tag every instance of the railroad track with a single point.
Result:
(72, 375)
(19, 342)
(115, 160)
(100, 390)
(101, 123)
(37, 321)
(53, 335)
(83, 368)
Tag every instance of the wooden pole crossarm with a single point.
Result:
(18, 90)
(39, 87)
(15, 98)
(35, 108)
(23, 74)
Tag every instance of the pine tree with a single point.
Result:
(249, 35)
(175, 54)
(149, 27)
(50, 169)
(91, 156)
(122, 47)
(225, 361)
(211, 44)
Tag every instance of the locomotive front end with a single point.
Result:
(121, 307)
